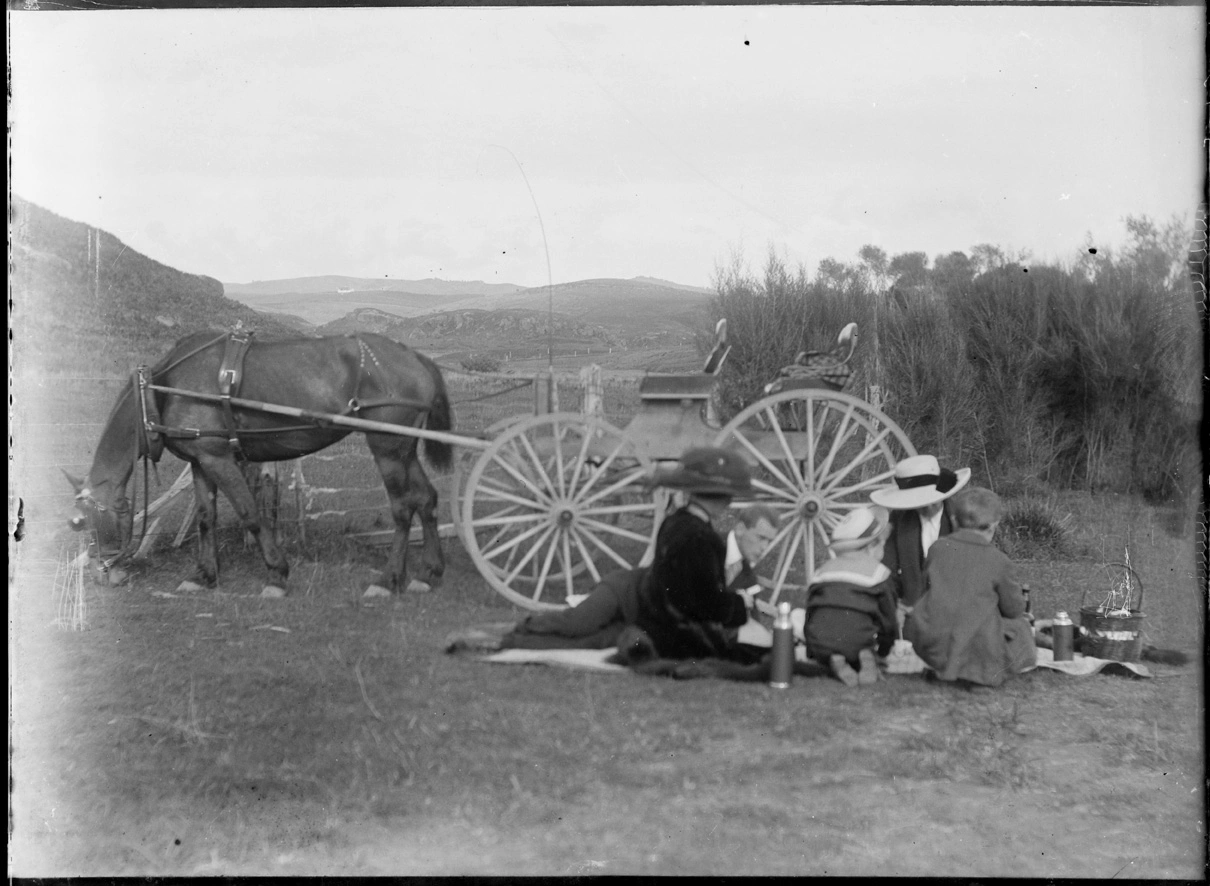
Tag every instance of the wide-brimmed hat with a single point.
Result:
(707, 470)
(920, 481)
(860, 527)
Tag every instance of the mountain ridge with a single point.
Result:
(611, 302)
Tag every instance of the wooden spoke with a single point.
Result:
(815, 455)
(552, 504)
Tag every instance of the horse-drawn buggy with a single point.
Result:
(550, 503)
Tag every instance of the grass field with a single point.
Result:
(219, 733)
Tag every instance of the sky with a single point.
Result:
(527, 145)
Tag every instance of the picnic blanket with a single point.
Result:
(574, 659)
(1083, 665)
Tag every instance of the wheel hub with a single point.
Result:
(810, 506)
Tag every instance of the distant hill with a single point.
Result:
(325, 306)
(320, 300)
(658, 282)
(631, 310)
(72, 313)
(640, 312)
(333, 283)
(476, 331)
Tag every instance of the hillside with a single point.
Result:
(318, 308)
(631, 310)
(516, 332)
(334, 283)
(73, 313)
(637, 313)
(319, 300)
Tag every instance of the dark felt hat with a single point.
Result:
(707, 470)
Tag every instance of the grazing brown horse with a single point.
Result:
(366, 377)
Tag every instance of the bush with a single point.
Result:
(1034, 530)
(481, 363)
(932, 389)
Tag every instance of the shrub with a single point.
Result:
(481, 363)
(932, 388)
(1034, 530)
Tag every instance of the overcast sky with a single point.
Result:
(260, 144)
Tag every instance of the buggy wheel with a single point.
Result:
(815, 455)
(464, 463)
(554, 504)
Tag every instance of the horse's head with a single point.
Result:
(105, 515)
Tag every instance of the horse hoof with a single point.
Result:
(375, 591)
(416, 586)
(189, 587)
(273, 592)
(117, 577)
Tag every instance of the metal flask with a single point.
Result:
(782, 670)
(1063, 632)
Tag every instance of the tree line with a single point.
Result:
(1071, 374)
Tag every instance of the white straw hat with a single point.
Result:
(860, 527)
(920, 481)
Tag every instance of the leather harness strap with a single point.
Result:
(230, 374)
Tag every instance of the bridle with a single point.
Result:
(121, 508)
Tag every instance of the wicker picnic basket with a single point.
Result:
(1116, 636)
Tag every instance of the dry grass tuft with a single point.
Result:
(70, 590)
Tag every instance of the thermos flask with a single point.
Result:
(783, 649)
(1063, 637)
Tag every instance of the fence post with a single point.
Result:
(594, 392)
(546, 393)
(300, 508)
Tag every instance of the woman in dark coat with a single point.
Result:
(919, 516)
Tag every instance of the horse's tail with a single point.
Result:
(440, 418)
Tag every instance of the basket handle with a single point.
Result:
(1134, 580)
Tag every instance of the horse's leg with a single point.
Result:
(230, 479)
(432, 560)
(205, 492)
(391, 455)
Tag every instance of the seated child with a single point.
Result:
(970, 623)
(851, 599)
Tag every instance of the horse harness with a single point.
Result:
(230, 377)
(149, 443)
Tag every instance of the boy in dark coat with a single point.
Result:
(851, 601)
(970, 624)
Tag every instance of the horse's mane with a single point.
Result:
(185, 345)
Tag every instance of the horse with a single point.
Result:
(199, 420)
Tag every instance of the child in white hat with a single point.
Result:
(851, 601)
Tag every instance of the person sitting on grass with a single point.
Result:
(597, 620)
(685, 609)
(970, 624)
(851, 600)
(920, 514)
